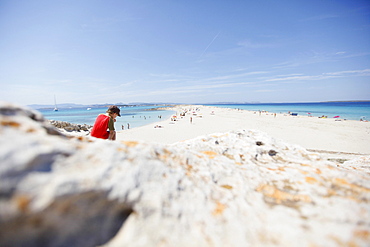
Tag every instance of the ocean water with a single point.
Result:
(346, 110)
(135, 116)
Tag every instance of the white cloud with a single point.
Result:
(348, 73)
(313, 57)
(364, 72)
(296, 78)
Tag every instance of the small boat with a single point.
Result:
(88, 109)
(55, 103)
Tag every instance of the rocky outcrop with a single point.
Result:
(241, 188)
(71, 126)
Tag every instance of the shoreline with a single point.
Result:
(330, 138)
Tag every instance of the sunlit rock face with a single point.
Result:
(71, 126)
(240, 188)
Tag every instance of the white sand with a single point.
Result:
(328, 135)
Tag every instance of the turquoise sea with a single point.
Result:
(346, 110)
(135, 116)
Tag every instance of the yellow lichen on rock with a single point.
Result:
(219, 209)
(22, 202)
(210, 154)
(130, 143)
(229, 187)
(274, 195)
(10, 124)
(311, 180)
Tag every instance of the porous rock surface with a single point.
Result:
(240, 188)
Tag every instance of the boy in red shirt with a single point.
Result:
(104, 124)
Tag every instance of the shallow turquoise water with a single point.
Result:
(135, 116)
(346, 110)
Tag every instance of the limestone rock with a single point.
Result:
(71, 126)
(241, 188)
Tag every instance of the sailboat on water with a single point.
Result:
(55, 103)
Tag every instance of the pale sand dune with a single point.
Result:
(348, 137)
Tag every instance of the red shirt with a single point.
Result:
(100, 127)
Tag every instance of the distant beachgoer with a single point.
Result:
(191, 120)
(128, 126)
(104, 124)
(123, 127)
(362, 119)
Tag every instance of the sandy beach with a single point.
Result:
(333, 138)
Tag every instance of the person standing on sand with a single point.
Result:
(104, 124)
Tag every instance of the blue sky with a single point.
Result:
(106, 51)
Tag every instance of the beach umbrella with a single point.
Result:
(337, 117)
